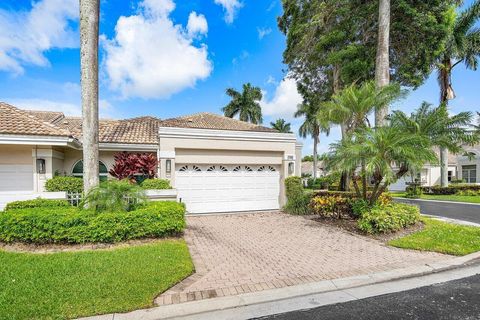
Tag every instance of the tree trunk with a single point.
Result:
(345, 178)
(445, 95)
(89, 19)
(382, 63)
(315, 160)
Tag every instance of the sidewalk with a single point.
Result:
(267, 302)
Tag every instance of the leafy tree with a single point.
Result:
(312, 126)
(384, 155)
(89, 22)
(281, 125)
(463, 46)
(309, 158)
(245, 104)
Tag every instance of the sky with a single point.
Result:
(167, 58)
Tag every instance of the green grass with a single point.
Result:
(74, 284)
(468, 199)
(442, 237)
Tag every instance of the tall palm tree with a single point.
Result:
(312, 126)
(281, 125)
(89, 19)
(463, 46)
(442, 130)
(382, 63)
(245, 104)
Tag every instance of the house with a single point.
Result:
(460, 167)
(307, 169)
(216, 164)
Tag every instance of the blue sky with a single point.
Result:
(165, 58)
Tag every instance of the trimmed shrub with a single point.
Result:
(297, 199)
(36, 203)
(72, 225)
(67, 184)
(156, 184)
(114, 196)
(451, 189)
(395, 216)
(332, 206)
(413, 192)
(468, 193)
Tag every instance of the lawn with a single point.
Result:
(469, 199)
(442, 237)
(74, 284)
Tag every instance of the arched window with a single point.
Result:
(77, 170)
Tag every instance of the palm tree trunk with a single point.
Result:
(382, 63)
(89, 19)
(315, 160)
(445, 95)
(345, 179)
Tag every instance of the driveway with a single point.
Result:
(448, 209)
(241, 253)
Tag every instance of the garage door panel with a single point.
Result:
(227, 188)
(16, 177)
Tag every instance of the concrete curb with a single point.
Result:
(439, 201)
(190, 309)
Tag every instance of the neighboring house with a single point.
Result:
(216, 164)
(307, 169)
(459, 167)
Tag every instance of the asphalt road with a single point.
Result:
(453, 210)
(459, 299)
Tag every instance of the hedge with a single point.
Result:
(156, 184)
(393, 217)
(72, 225)
(67, 184)
(451, 189)
(37, 203)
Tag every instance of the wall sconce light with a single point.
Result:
(168, 167)
(291, 168)
(41, 166)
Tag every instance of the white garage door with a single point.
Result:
(228, 188)
(16, 177)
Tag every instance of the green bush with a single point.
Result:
(413, 192)
(324, 182)
(156, 184)
(72, 225)
(393, 217)
(468, 193)
(297, 200)
(68, 184)
(451, 189)
(114, 196)
(36, 203)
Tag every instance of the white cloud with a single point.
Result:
(197, 24)
(271, 80)
(150, 57)
(262, 32)
(230, 7)
(285, 100)
(26, 35)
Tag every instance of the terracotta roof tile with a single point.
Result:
(48, 116)
(16, 121)
(207, 120)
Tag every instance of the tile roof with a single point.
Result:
(141, 130)
(16, 121)
(206, 120)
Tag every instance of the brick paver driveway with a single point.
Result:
(249, 252)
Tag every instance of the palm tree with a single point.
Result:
(463, 46)
(378, 153)
(281, 126)
(312, 126)
(382, 63)
(245, 104)
(353, 105)
(442, 130)
(89, 17)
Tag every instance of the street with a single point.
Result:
(452, 210)
(458, 299)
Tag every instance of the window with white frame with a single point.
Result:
(469, 173)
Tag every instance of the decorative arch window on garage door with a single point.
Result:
(78, 170)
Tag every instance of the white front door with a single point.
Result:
(16, 177)
(228, 188)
